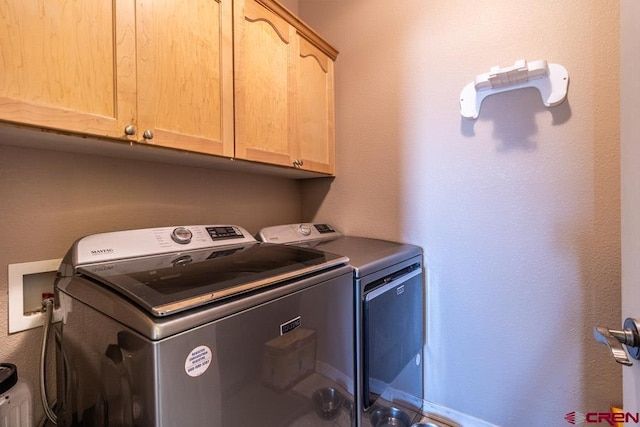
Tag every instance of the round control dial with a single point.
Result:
(181, 235)
(304, 229)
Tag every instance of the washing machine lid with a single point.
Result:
(166, 282)
(175, 282)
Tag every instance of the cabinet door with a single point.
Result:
(315, 114)
(185, 74)
(263, 83)
(68, 64)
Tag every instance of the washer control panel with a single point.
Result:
(155, 241)
(298, 233)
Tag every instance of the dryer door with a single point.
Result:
(392, 339)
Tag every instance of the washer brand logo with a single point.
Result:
(610, 418)
(290, 325)
(102, 251)
(102, 268)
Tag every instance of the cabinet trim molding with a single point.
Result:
(303, 29)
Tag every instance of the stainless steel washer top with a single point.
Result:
(172, 269)
(366, 255)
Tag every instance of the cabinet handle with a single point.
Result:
(130, 130)
(148, 134)
(297, 163)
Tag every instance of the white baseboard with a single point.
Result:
(436, 412)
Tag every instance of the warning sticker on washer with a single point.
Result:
(198, 361)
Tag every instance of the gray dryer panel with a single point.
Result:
(367, 256)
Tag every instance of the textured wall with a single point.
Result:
(518, 212)
(49, 199)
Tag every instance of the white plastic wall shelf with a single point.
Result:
(552, 80)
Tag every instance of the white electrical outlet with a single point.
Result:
(27, 282)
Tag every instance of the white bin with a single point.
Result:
(16, 405)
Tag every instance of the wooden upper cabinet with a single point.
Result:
(263, 82)
(284, 103)
(314, 143)
(185, 74)
(126, 69)
(68, 65)
(242, 78)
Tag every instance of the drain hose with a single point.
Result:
(48, 310)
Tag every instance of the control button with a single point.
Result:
(181, 261)
(304, 229)
(181, 235)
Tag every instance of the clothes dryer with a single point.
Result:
(389, 313)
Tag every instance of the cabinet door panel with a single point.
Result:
(315, 109)
(263, 75)
(68, 64)
(185, 74)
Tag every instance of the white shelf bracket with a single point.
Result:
(552, 80)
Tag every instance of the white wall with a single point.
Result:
(518, 212)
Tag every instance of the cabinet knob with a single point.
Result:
(130, 130)
(148, 134)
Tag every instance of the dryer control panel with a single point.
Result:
(289, 234)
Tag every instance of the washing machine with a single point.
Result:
(389, 318)
(203, 326)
